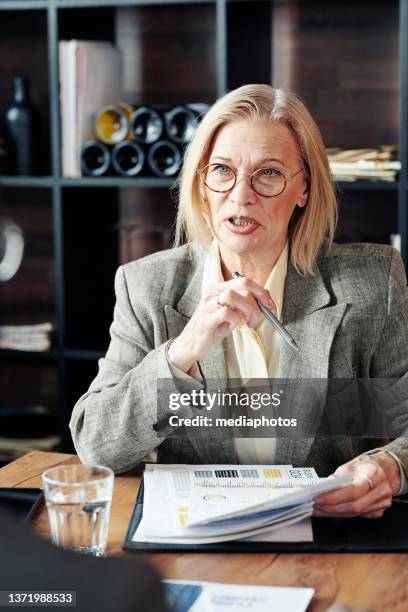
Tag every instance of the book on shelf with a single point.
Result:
(37, 337)
(90, 74)
(367, 164)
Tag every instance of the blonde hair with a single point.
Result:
(311, 225)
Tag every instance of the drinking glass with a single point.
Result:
(78, 499)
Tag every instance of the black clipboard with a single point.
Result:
(387, 534)
(22, 503)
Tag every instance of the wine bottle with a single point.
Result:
(21, 130)
(112, 123)
(180, 123)
(128, 158)
(164, 158)
(146, 125)
(95, 158)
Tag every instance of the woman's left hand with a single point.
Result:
(376, 478)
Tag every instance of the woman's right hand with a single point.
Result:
(221, 308)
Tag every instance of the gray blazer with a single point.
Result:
(351, 319)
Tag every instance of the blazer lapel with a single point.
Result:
(211, 446)
(177, 317)
(312, 320)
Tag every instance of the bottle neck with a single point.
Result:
(21, 89)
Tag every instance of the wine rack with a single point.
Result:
(147, 141)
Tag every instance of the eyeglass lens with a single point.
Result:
(265, 181)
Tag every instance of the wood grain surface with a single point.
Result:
(343, 582)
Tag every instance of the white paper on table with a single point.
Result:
(219, 597)
(211, 502)
(167, 503)
(194, 540)
(244, 525)
(160, 522)
(167, 491)
(301, 531)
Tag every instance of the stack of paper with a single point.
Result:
(26, 337)
(203, 504)
(369, 164)
(90, 77)
(195, 596)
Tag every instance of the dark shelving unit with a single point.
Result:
(348, 61)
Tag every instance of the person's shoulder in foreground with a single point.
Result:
(30, 563)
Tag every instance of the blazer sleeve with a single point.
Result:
(390, 361)
(116, 422)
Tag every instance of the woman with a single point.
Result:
(255, 197)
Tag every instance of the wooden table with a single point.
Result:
(369, 582)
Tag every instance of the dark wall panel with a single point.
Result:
(342, 59)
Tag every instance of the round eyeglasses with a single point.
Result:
(267, 182)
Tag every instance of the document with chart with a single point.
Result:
(203, 504)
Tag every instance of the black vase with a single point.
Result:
(21, 130)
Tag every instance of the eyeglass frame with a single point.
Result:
(288, 179)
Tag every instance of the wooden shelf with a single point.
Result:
(12, 5)
(26, 181)
(163, 183)
(117, 181)
(102, 3)
(157, 182)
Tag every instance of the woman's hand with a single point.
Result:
(376, 478)
(222, 307)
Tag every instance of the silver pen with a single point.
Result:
(272, 319)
